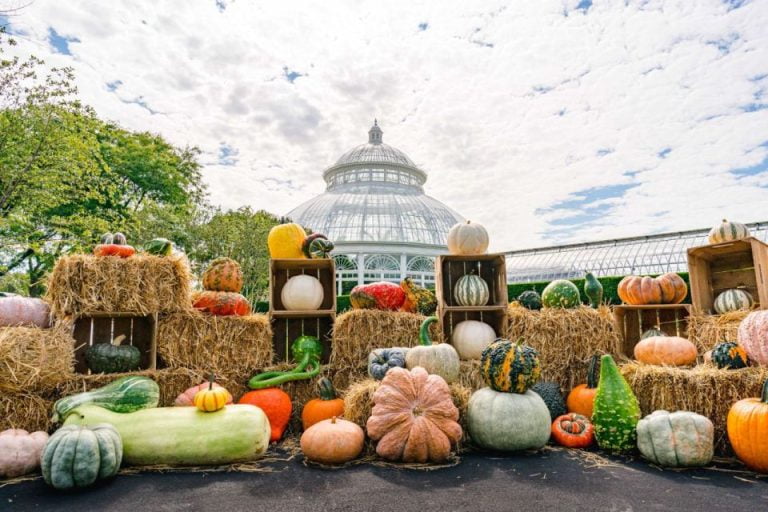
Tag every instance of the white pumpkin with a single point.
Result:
(302, 293)
(508, 421)
(678, 439)
(467, 238)
(727, 231)
(733, 300)
(20, 451)
(470, 338)
(437, 358)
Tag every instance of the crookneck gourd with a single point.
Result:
(307, 351)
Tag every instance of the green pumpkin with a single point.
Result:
(530, 299)
(679, 439)
(508, 421)
(561, 293)
(77, 457)
(113, 357)
(510, 367)
(550, 392)
(729, 355)
(593, 289)
(316, 246)
(126, 394)
(159, 247)
(616, 410)
(471, 290)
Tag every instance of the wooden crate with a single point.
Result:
(288, 325)
(719, 267)
(633, 321)
(280, 270)
(496, 318)
(139, 331)
(491, 267)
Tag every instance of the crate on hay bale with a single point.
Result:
(35, 359)
(25, 410)
(703, 389)
(83, 284)
(490, 267)
(566, 339)
(139, 331)
(281, 270)
(706, 331)
(287, 326)
(633, 321)
(224, 345)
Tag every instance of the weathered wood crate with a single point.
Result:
(139, 331)
(633, 321)
(280, 270)
(286, 327)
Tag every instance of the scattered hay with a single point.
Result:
(34, 359)
(470, 375)
(143, 284)
(704, 389)
(232, 345)
(25, 410)
(565, 339)
(359, 331)
(706, 331)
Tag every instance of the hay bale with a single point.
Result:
(470, 375)
(706, 331)
(704, 389)
(359, 331)
(566, 339)
(25, 410)
(231, 345)
(35, 359)
(143, 284)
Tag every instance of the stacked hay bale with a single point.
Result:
(706, 331)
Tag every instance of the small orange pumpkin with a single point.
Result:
(581, 399)
(333, 441)
(748, 430)
(187, 398)
(573, 431)
(666, 350)
(212, 399)
(323, 408)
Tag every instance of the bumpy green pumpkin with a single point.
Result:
(550, 392)
(593, 289)
(530, 299)
(77, 456)
(508, 421)
(729, 355)
(616, 411)
(510, 367)
(113, 357)
(560, 293)
(381, 360)
(126, 394)
(159, 247)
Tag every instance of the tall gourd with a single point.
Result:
(616, 410)
(593, 290)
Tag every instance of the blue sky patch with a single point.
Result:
(584, 5)
(725, 44)
(584, 197)
(114, 85)
(664, 152)
(291, 75)
(228, 155)
(754, 107)
(60, 43)
(604, 151)
(423, 26)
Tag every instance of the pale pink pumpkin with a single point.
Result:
(753, 336)
(20, 451)
(186, 399)
(16, 310)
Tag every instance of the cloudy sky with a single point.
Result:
(548, 121)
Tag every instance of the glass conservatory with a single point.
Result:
(375, 210)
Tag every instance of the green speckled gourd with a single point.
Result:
(76, 457)
(593, 289)
(126, 394)
(530, 299)
(550, 392)
(510, 367)
(561, 293)
(616, 411)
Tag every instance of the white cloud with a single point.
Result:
(511, 107)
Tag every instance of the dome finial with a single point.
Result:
(375, 133)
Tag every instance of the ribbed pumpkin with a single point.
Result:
(380, 361)
(753, 336)
(667, 288)
(666, 350)
(581, 399)
(471, 337)
(573, 431)
(561, 293)
(24, 311)
(729, 355)
(679, 439)
(616, 410)
(333, 441)
(211, 399)
(223, 275)
(508, 421)
(437, 358)
(467, 238)
(286, 240)
(328, 406)
(113, 357)
(221, 303)
(20, 451)
(471, 290)
(187, 398)
(733, 300)
(413, 417)
(727, 231)
(77, 456)
(510, 367)
(276, 404)
(748, 430)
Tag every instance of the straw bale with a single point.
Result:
(35, 359)
(25, 410)
(143, 284)
(706, 331)
(566, 339)
(470, 375)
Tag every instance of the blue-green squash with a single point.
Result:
(530, 299)
(126, 394)
(561, 293)
(77, 456)
(471, 290)
(593, 289)
(616, 410)
(549, 391)
(510, 367)
(508, 421)
(381, 360)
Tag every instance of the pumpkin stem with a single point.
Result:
(592, 372)
(327, 391)
(764, 396)
(333, 420)
(117, 341)
(424, 331)
(210, 381)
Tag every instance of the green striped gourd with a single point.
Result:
(727, 231)
(733, 300)
(471, 290)
(510, 367)
(593, 289)
(76, 456)
(126, 394)
(561, 293)
(616, 410)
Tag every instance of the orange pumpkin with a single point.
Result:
(223, 275)
(276, 404)
(573, 431)
(323, 408)
(333, 441)
(666, 350)
(673, 288)
(748, 431)
(581, 399)
(221, 303)
(668, 288)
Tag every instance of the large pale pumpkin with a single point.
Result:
(437, 358)
(748, 430)
(20, 451)
(666, 350)
(727, 231)
(286, 240)
(302, 292)
(471, 337)
(679, 439)
(508, 421)
(467, 238)
(16, 311)
(753, 336)
(413, 417)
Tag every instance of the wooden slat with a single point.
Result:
(140, 331)
(286, 330)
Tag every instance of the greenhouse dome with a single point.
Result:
(375, 210)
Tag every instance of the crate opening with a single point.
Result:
(139, 331)
(323, 270)
(286, 330)
(491, 269)
(496, 319)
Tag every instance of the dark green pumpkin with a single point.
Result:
(381, 360)
(550, 392)
(510, 367)
(530, 299)
(561, 293)
(113, 357)
(729, 355)
(593, 289)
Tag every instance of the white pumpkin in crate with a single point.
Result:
(467, 238)
(470, 338)
(733, 300)
(727, 231)
(302, 293)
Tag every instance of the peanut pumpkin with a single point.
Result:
(223, 275)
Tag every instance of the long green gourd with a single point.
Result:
(126, 394)
(616, 411)
(307, 351)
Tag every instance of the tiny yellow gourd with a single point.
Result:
(211, 399)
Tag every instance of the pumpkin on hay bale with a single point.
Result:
(35, 359)
(83, 284)
(705, 390)
(25, 410)
(224, 345)
(565, 339)
(706, 331)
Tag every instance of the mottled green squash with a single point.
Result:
(77, 456)
(561, 293)
(126, 394)
(530, 299)
(508, 421)
(159, 247)
(616, 411)
(510, 367)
